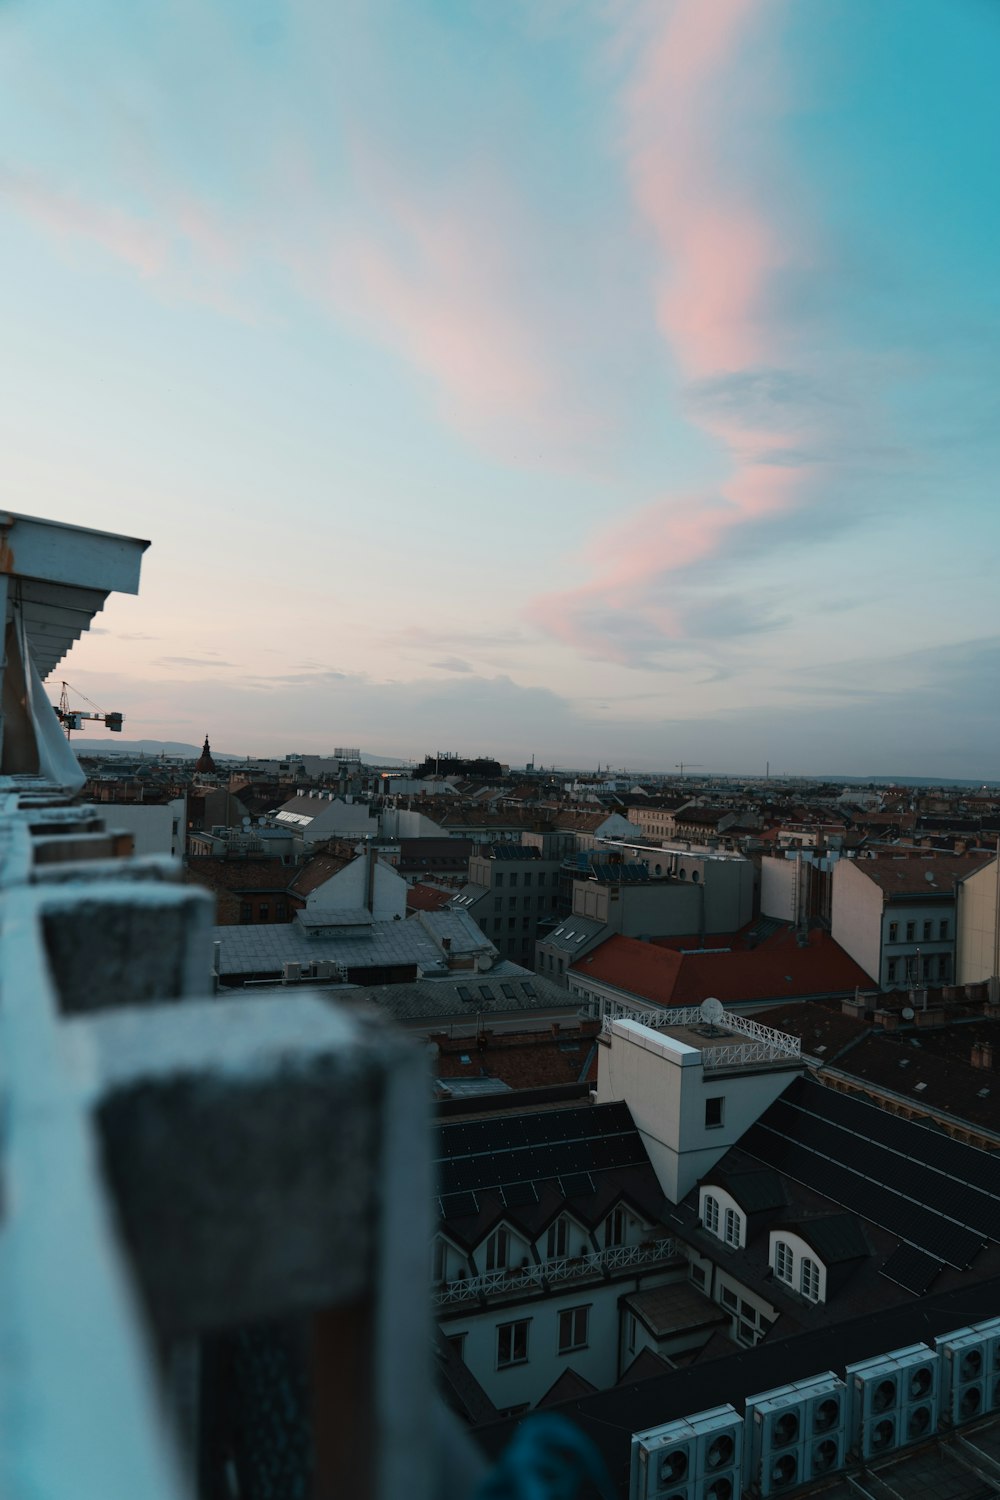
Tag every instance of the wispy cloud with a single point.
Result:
(718, 251)
(451, 664)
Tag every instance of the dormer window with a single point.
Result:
(497, 1250)
(784, 1261)
(710, 1214)
(614, 1228)
(556, 1240)
(734, 1227)
(809, 1279)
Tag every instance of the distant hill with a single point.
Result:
(99, 749)
(112, 745)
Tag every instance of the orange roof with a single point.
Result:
(777, 967)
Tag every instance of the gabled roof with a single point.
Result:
(836, 1238)
(316, 872)
(918, 873)
(755, 1190)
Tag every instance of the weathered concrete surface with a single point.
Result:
(240, 1139)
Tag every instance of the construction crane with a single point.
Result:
(72, 718)
(687, 764)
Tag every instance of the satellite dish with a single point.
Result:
(907, 1013)
(712, 1011)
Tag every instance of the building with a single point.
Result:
(896, 916)
(511, 889)
(978, 946)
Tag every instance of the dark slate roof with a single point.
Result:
(756, 1190)
(527, 1168)
(920, 1185)
(568, 1386)
(836, 1238)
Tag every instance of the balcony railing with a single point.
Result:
(539, 1276)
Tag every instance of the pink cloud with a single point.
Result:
(127, 237)
(716, 249)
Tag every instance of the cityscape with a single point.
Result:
(567, 1073)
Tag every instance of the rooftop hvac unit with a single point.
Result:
(970, 1371)
(325, 968)
(796, 1433)
(894, 1400)
(694, 1458)
(291, 973)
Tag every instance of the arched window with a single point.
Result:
(733, 1227)
(784, 1261)
(710, 1214)
(809, 1279)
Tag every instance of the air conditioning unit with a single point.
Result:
(291, 973)
(795, 1433)
(694, 1458)
(970, 1371)
(894, 1400)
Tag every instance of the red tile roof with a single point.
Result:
(777, 967)
(427, 898)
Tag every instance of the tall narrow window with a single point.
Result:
(497, 1250)
(614, 1228)
(573, 1329)
(512, 1343)
(555, 1243)
(710, 1214)
(809, 1279)
(784, 1261)
(732, 1227)
(714, 1110)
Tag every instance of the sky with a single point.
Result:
(598, 381)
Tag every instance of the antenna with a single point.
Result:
(712, 1011)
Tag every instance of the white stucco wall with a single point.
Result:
(800, 1251)
(348, 891)
(157, 829)
(977, 907)
(777, 888)
(856, 916)
(665, 1086)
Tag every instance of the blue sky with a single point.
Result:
(593, 379)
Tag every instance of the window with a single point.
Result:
(928, 927)
(911, 931)
(555, 1241)
(733, 1227)
(246, 912)
(497, 1250)
(714, 1109)
(729, 1298)
(513, 881)
(541, 877)
(747, 1333)
(511, 923)
(573, 1329)
(942, 932)
(697, 1274)
(894, 932)
(527, 880)
(809, 1279)
(263, 911)
(512, 1343)
(710, 1214)
(890, 970)
(784, 1261)
(280, 911)
(497, 882)
(498, 903)
(944, 964)
(614, 1228)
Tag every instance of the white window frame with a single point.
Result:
(734, 1228)
(573, 1327)
(498, 1249)
(784, 1262)
(809, 1279)
(710, 1214)
(615, 1228)
(510, 1338)
(557, 1239)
